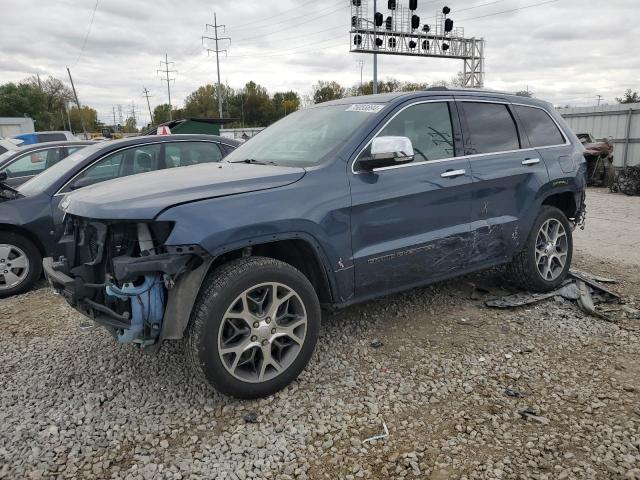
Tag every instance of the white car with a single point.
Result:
(9, 144)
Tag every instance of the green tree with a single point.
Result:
(161, 113)
(284, 103)
(324, 91)
(89, 117)
(130, 125)
(629, 97)
(202, 103)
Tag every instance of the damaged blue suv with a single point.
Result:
(333, 205)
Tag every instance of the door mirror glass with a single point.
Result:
(387, 151)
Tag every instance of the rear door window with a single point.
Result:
(491, 128)
(183, 154)
(539, 127)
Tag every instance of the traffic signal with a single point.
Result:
(392, 42)
(357, 40)
(415, 21)
(448, 25)
(426, 28)
(425, 44)
(445, 47)
(388, 23)
(378, 18)
(379, 42)
(392, 4)
(413, 4)
(446, 10)
(412, 44)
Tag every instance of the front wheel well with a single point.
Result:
(298, 253)
(564, 201)
(7, 227)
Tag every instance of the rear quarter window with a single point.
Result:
(539, 127)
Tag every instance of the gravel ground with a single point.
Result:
(449, 381)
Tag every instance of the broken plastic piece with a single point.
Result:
(378, 437)
(531, 415)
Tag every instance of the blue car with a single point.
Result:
(332, 205)
(31, 222)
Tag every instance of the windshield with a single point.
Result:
(306, 137)
(41, 182)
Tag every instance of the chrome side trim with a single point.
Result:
(461, 157)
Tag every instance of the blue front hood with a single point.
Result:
(144, 196)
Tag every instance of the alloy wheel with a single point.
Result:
(552, 247)
(262, 332)
(14, 266)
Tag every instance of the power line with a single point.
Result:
(313, 19)
(509, 11)
(167, 71)
(86, 37)
(217, 51)
(297, 7)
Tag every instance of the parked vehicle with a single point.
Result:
(332, 205)
(30, 220)
(6, 145)
(40, 137)
(26, 162)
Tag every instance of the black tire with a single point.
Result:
(219, 291)
(523, 271)
(34, 266)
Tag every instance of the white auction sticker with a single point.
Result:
(365, 107)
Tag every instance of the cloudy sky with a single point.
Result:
(565, 51)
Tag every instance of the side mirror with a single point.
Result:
(387, 152)
(81, 182)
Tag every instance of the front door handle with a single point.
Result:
(531, 161)
(452, 173)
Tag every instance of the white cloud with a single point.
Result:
(565, 52)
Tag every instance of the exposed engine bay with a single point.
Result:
(119, 274)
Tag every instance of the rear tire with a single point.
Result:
(254, 327)
(544, 262)
(20, 264)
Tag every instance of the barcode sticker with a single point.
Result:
(365, 107)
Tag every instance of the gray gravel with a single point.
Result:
(76, 405)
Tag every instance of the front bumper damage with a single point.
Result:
(123, 279)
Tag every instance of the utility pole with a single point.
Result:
(599, 97)
(84, 130)
(217, 51)
(145, 92)
(115, 125)
(375, 55)
(167, 71)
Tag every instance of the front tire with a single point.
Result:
(254, 327)
(544, 262)
(20, 264)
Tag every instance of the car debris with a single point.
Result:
(514, 393)
(599, 156)
(580, 287)
(251, 417)
(378, 437)
(627, 181)
(529, 414)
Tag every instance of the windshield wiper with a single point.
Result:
(253, 161)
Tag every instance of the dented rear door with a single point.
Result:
(507, 177)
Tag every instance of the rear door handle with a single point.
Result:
(452, 173)
(531, 161)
